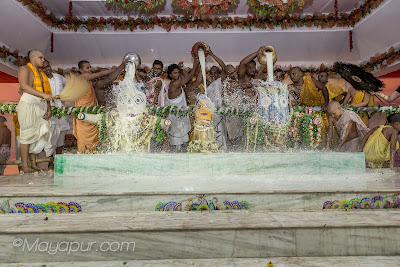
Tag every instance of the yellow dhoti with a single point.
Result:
(377, 149)
(357, 99)
(335, 92)
(86, 133)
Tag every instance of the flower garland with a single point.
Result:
(189, 111)
(270, 7)
(382, 61)
(136, 4)
(6, 55)
(59, 112)
(284, 21)
(204, 7)
(307, 129)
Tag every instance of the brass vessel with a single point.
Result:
(200, 45)
(262, 59)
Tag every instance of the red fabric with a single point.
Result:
(5, 78)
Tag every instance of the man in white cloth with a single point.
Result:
(59, 126)
(34, 110)
(175, 96)
(350, 128)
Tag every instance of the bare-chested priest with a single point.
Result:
(87, 133)
(34, 110)
(350, 128)
(247, 72)
(175, 96)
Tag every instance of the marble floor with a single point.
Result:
(349, 261)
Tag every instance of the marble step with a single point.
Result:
(187, 235)
(346, 261)
(53, 201)
(28, 193)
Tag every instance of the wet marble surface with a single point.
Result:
(95, 194)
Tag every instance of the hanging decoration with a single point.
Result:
(381, 61)
(204, 7)
(271, 7)
(12, 57)
(351, 40)
(285, 21)
(52, 43)
(69, 18)
(336, 10)
(136, 4)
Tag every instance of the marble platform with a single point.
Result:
(204, 172)
(350, 261)
(172, 235)
(107, 195)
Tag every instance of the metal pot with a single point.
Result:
(133, 58)
(200, 45)
(262, 59)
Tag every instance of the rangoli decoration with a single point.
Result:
(49, 207)
(377, 202)
(202, 205)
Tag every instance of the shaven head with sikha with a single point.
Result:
(394, 121)
(335, 109)
(36, 58)
(295, 74)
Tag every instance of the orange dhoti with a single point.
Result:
(86, 133)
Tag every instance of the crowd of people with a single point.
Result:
(227, 85)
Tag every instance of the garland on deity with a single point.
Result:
(307, 129)
(284, 21)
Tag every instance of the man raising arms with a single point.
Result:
(87, 133)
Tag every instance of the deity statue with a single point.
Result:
(269, 125)
(203, 131)
(128, 127)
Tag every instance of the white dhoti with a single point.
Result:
(180, 126)
(352, 145)
(214, 92)
(57, 138)
(58, 129)
(35, 131)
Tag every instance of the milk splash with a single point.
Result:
(129, 128)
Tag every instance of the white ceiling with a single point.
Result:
(297, 46)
